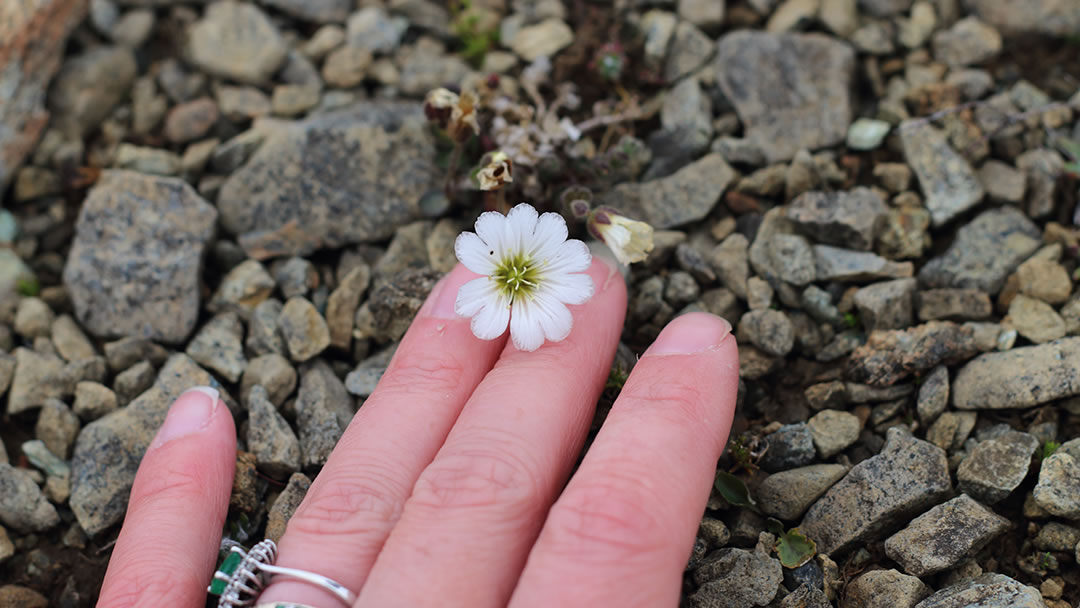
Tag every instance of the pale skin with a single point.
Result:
(452, 485)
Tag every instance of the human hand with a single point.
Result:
(449, 487)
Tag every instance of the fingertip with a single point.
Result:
(440, 302)
(689, 334)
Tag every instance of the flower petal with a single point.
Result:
(491, 228)
(549, 235)
(521, 222)
(525, 329)
(554, 317)
(491, 321)
(569, 288)
(474, 295)
(572, 256)
(474, 253)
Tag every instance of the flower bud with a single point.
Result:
(463, 118)
(439, 104)
(630, 240)
(577, 201)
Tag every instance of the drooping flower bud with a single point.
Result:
(630, 240)
(439, 104)
(463, 122)
(497, 171)
(577, 201)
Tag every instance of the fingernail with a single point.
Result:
(190, 414)
(691, 333)
(442, 300)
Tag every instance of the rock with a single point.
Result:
(294, 99)
(323, 410)
(905, 478)
(264, 337)
(790, 447)
(269, 437)
(847, 219)
(330, 181)
(543, 39)
(426, 65)
(1042, 167)
(690, 49)
(777, 255)
(985, 591)
(731, 263)
(319, 11)
(933, 394)
(57, 427)
(1002, 182)
(787, 494)
(969, 41)
(341, 306)
(995, 467)
(70, 342)
(93, 400)
(23, 507)
(891, 355)
(33, 318)
(759, 294)
(89, 86)
(372, 28)
(7, 548)
(702, 13)
(737, 578)
(391, 307)
(905, 234)
(770, 330)
(954, 304)
(949, 184)
(683, 197)
(303, 328)
(885, 8)
(37, 378)
(1055, 536)
(867, 133)
(1019, 378)
(658, 28)
(886, 305)
(131, 382)
(884, 589)
(191, 120)
(33, 36)
(295, 276)
(944, 536)
(686, 106)
(99, 494)
(243, 288)
(836, 264)
(134, 264)
(285, 505)
(792, 15)
(363, 380)
(1050, 17)
(804, 103)
(125, 352)
(1035, 320)
(153, 161)
(1044, 280)
(1058, 490)
(346, 66)
(274, 373)
(833, 431)
(240, 104)
(984, 252)
(15, 596)
(238, 41)
(219, 346)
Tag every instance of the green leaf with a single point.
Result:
(28, 285)
(1068, 146)
(775, 526)
(734, 490)
(794, 549)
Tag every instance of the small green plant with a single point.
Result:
(792, 547)
(476, 36)
(741, 449)
(1049, 448)
(1047, 561)
(851, 320)
(616, 377)
(734, 490)
(28, 285)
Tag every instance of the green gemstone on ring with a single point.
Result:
(227, 568)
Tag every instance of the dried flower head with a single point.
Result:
(439, 104)
(463, 122)
(497, 171)
(630, 240)
(531, 272)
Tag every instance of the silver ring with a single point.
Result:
(244, 574)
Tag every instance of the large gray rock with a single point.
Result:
(884, 589)
(1019, 378)
(22, 505)
(333, 180)
(37, 378)
(323, 410)
(889, 356)
(791, 91)
(986, 591)
(778, 255)
(787, 494)
(944, 536)
(1052, 17)
(737, 578)
(984, 252)
(879, 494)
(89, 86)
(887, 304)
(108, 450)
(1058, 490)
(33, 34)
(996, 467)
(845, 219)
(236, 40)
(134, 265)
(686, 196)
(949, 184)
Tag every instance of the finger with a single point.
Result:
(475, 511)
(354, 502)
(622, 531)
(166, 551)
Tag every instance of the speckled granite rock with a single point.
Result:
(1019, 378)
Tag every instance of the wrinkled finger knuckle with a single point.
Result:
(424, 374)
(176, 484)
(492, 475)
(605, 521)
(145, 586)
(353, 503)
(670, 396)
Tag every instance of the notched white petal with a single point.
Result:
(491, 228)
(491, 321)
(570, 288)
(525, 329)
(549, 235)
(572, 256)
(474, 253)
(554, 317)
(474, 295)
(522, 222)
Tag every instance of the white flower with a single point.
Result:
(630, 240)
(531, 272)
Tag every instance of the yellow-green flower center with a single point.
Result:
(516, 276)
